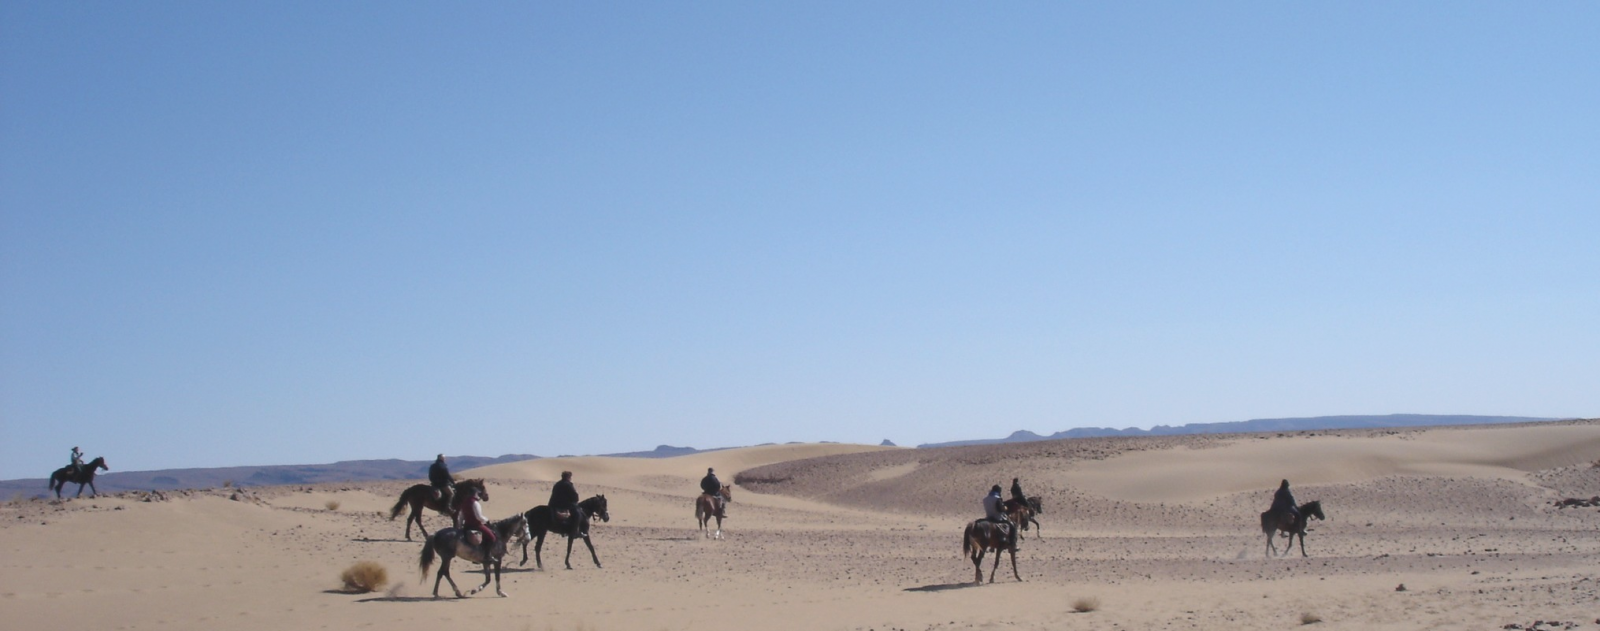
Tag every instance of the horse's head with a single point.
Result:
(1036, 504)
(99, 462)
(517, 528)
(596, 506)
(473, 485)
(726, 492)
(1313, 509)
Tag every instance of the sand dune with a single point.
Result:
(1186, 475)
(1159, 532)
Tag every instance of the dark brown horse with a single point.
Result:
(1022, 514)
(541, 520)
(983, 535)
(83, 476)
(420, 496)
(451, 543)
(1272, 522)
(705, 509)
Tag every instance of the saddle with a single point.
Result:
(562, 516)
(474, 538)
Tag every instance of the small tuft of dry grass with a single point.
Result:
(1310, 618)
(1086, 604)
(364, 577)
(332, 505)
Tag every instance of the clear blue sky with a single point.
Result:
(271, 233)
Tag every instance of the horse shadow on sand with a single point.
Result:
(941, 587)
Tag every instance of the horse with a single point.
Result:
(1272, 522)
(420, 496)
(983, 535)
(705, 509)
(1022, 514)
(450, 543)
(541, 520)
(83, 476)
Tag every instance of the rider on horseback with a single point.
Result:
(444, 485)
(993, 511)
(470, 510)
(1283, 503)
(564, 497)
(713, 488)
(77, 462)
(1016, 493)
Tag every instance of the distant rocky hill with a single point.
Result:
(343, 471)
(1257, 425)
(663, 451)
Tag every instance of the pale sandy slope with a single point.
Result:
(1159, 531)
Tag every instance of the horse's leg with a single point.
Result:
(1037, 527)
(93, 492)
(538, 545)
(592, 555)
(524, 552)
(80, 491)
(1271, 549)
(996, 565)
(1302, 534)
(444, 571)
(420, 510)
(1013, 552)
(497, 590)
(977, 564)
(486, 577)
(568, 560)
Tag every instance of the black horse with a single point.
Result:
(541, 521)
(420, 496)
(450, 543)
(1272, 522)
(83, 476)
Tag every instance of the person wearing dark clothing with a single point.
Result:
(710, 484)
(1283, 502)
(443, 483)
(713, 487)
(564, 496)
(1016, 493)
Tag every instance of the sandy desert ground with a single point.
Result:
(1155, 533)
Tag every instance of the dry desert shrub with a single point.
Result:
(332, 505)
(364, 577)
(1086, 604)
(1310, 618)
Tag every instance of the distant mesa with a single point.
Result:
(887, 443)
(1257, 425)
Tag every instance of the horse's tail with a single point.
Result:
(966, 541)
(399, 506)
(427, 558)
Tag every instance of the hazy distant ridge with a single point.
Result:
(343, 471)
(1256, 425)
